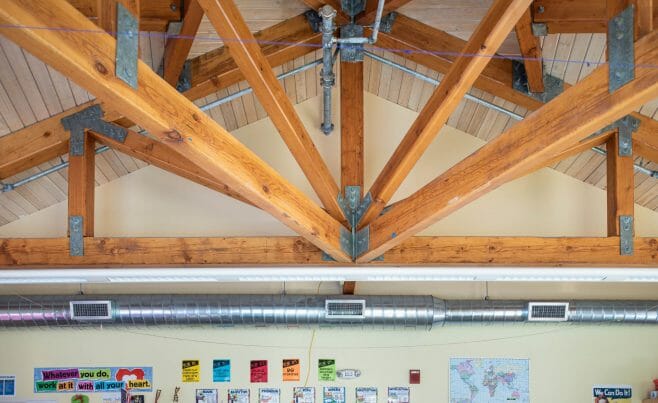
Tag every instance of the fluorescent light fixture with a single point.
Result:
(298, 274)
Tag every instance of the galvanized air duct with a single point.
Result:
(304, 310)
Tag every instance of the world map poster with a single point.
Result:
(489, 380)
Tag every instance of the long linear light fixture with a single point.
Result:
(291, 274)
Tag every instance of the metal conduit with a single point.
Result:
(303, 310)
(513, 115)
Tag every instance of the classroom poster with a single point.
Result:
(303, 394)
(258, 371)
(221, 370)
(238, 396)
(269, 395)
(326, 369)
(92, 379)
(191, 371)
(80, 399)
(291, 370)
(207, 396)
(612, 393)
(398, 395)
(7, 385)
(366, 395)
(333, 394)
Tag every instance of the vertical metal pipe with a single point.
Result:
(378, 20)
(327, 76)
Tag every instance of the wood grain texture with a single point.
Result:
(154, 14)
(464, 71)
(531, 51)
(558, 125)
(249, 57)
(565, 16)
(177, 49)
(352, 165)
(297, 251)
(620, 190)
(82, 185)
(166, 114)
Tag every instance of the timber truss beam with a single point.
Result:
(163, 112)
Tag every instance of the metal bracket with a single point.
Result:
(352, 205)
(626, 235)
(92, 119)
(539, 29)
(626, 126)
(621, 50)
(185, 79)
(314, 20)
(76, 244)
(386, 25)
(127, 46)
(354, 242)
(553, 86)
(353, 7)
(351, 52)
(328, 258)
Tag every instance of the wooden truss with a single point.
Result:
(185, 141)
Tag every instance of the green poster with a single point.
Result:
(326, 370)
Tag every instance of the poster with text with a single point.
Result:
(333, 394)
(366, 395)
(326, 369)
(238, 396)
(269, 395)
(93, 379)
(398, 395)
(291, 370)
(258, 371)
(191, 371)
(207, 396)
(612, 393)
(221, 370)
(303, 394)
(7, 385)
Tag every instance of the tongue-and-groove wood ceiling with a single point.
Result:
(30, 91)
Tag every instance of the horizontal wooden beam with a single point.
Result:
(565, 16)
(296, 251)
(279, 43)
(155, 15)
(560, 124)
(165, 113)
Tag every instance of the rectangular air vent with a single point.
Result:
(548, 311)
(345, 308)
(91, 310)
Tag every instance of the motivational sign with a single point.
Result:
(191, 371)
(259, 371)
(221, 370)
(326, 369)
(291, 369)
(612, 393)
(92, 379)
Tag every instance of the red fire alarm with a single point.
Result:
(414, 376)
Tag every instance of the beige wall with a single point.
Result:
(565, 360)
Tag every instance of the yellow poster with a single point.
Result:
(291, 369)
(191, 371)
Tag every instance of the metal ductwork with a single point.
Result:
(304, 310)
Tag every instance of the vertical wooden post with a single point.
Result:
(351, 116)
(177, 49)
(81, 184)
(646, 17)
(107, 13)
(531, 52)
(620, 185)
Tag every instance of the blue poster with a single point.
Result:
(93, 379)
(221, 370)
(7, 385)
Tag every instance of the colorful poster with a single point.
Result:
(221, 370)
(291, 369)
(191, 371)
(238, 396)
(612, 393)
(303, 394)
(80, 399)
(489, 380)
(258, 371)
(93, 379)
(333, 394)
(366, 395)
(269, 395)
(326, 369)
(207, 396)
(7, 385)
(398, 395)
